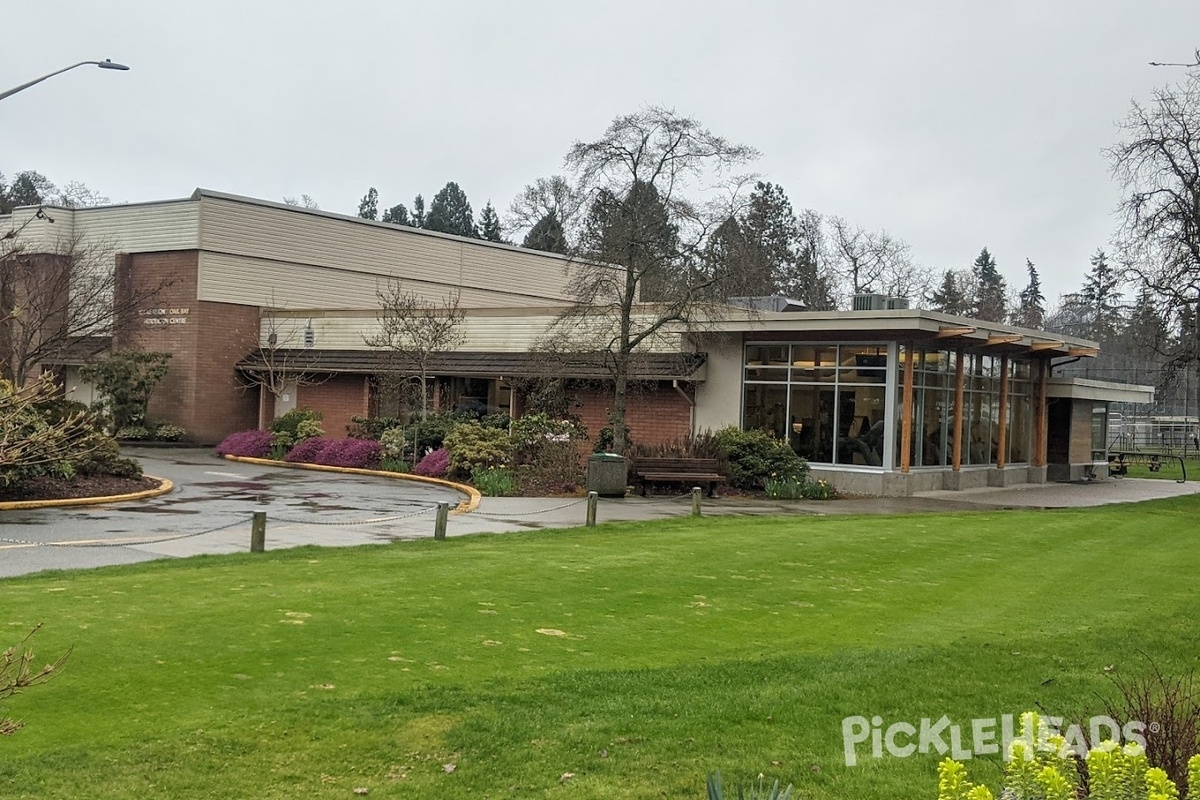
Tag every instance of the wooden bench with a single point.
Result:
(689, 471)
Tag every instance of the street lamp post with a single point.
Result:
(105, 64)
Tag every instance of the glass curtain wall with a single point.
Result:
(828, 402)
(933, 408)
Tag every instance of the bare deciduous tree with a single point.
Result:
(412, 330)
(875, 261)
(636, 272)
(49, 300)
(1158, 166)
(555, 196)
(284, 361)
(17, 674)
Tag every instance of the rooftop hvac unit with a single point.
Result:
(869, 302)
(897, 302)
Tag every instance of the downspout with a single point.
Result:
(691, 405)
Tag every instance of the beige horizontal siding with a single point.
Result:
(300, 237)
(225, 278)
(145, 227)
(486, 334)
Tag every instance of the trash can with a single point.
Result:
(607, 474)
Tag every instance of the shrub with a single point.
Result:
(286, 429)
(392, 464)
(1042, 765)
(169, 433)
(353, 453)
(135, 433)
(495, 482)
(754, 456)
(532, 432)
(102, 456)
(500, 421)
(434, 465)
(393, 443)
(473, 447)
(556, 469)
(254, 444)
(373, 427)
(307, 451)
(125, 379)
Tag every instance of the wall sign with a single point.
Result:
(164, 316)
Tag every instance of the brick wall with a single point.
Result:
(655, 416)
(201, 391)
(339, 398)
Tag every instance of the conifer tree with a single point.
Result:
(368, 207)
(451, 213)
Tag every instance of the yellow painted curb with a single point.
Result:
(164, 486)
(465, 507)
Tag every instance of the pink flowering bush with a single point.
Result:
(353, 453)
(255, 444)
(308, 451)
(434, 465)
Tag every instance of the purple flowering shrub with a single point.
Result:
(354, 453)
(435, 465)
(255, 444)
(308, 451)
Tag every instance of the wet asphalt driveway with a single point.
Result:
(210, 511)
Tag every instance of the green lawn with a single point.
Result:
(1169, 470)
(635, 656)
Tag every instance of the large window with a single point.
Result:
(933, 409)
(828, 402)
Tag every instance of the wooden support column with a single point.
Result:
(906, 411)
(956, 458)
(1040, 415)
(1002, 430)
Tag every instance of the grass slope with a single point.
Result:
(635, 656)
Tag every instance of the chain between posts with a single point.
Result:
(158, 540)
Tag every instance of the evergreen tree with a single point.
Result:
(636, 232)
(725, 257)
(489, 224)
(368, 207)
(1102, 299)
(451, 213)
(547, 234)
(951, 297)
(397, 215)
(810, 281)
(418, 212)
(990, 303)
(771, 233)
(1031, 311)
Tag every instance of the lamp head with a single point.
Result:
(108, 63)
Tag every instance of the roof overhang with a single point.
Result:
(918, 325)
(1088, 389)
(580, 366)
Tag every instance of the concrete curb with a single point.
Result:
(164, 486)
(465, 507)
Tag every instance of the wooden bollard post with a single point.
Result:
(439, 523)
(591, 509)
(695, 501)
(258, 532)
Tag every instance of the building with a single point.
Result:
(880, 401)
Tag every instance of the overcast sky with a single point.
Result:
(954, 125)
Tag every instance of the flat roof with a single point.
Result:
(1089, 389)
(920, 325)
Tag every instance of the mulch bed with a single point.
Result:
(47, 488)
